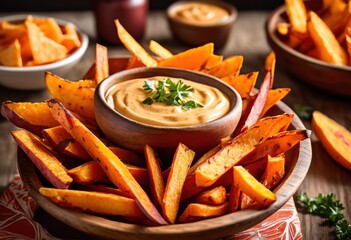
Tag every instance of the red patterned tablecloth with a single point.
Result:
(19, 219)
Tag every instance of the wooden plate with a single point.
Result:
(298, 162)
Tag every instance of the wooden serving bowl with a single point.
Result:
(298, 160)
(328, 77)
(134, 135)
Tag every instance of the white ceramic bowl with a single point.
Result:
(32, 78)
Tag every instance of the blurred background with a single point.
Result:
(64, 5)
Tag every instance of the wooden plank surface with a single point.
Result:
(247, 39)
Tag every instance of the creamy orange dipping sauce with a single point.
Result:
(200, 13)
(127, 98)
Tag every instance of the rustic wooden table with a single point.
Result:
(247, 39)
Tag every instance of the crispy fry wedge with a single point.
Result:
(252, 114)
(33, 117)
(229, 66)
(134, 62)
(196, 211)
(63, 142)
(44, 159)
(94, 202)
(91, 172)
(77, 99)
(134, 47)
(159, 50)
(11, 55)
(101, 63)
(234, 198)
(157, 185)
(114, 168)
(192, 59)
(274, 172)
(328, 46)
(180, 165)
(252, 187)
(276, 144)
(273, 96)
(214, 196)
(297, 14)
(270, 65)
(128, 156)
(213, 60)
(234, 151)
(243, 83)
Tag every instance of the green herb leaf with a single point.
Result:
(327, 206)
(149, 85)
(192, 104)
(148, 101)
(303, 111)
(170, 93)
(343, 230)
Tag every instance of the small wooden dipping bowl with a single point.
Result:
(133, 135)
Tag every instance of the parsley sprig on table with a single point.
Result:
(329, 207)
(170, 93)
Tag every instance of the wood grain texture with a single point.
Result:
(247, 39)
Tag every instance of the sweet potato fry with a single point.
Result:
(243, 83)
(252, 113)
(329, 48)
(276, 144)
(229, 66)
(159, 50)
(192, 59)
(11, 55)
(234, 198)
(101, 63)
(253, 188)
(134, 62)
(86, 83)
(114, 168)
(87, 173)
(270, 65)
(157, 185)
(180, 165)
(94, 202)
(91, 172)
(43, 159)
(133, 46)
(274, 95)
(63, 142)
(297, 14)
(98, 187)
(213, 60)
(128, 156)
(214, 196)
(234, 151)
(274, 172)
(33, 117)
(77, 99)
(197, 211)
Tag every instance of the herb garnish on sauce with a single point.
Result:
(170, 93)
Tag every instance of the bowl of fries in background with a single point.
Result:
(195, 30)
(33, 44)
(112, 192)
(314, 44)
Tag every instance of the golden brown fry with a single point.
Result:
(253, 188)
(101, 63)
(159, 50)
(94, 202)
(214, 196)
(196, 211)
(157, 185)
(328, 46)
(114, 168)
(180, 165)
(134, 47)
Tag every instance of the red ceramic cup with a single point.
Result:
(131, 14)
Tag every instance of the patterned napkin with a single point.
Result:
(21, 218)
